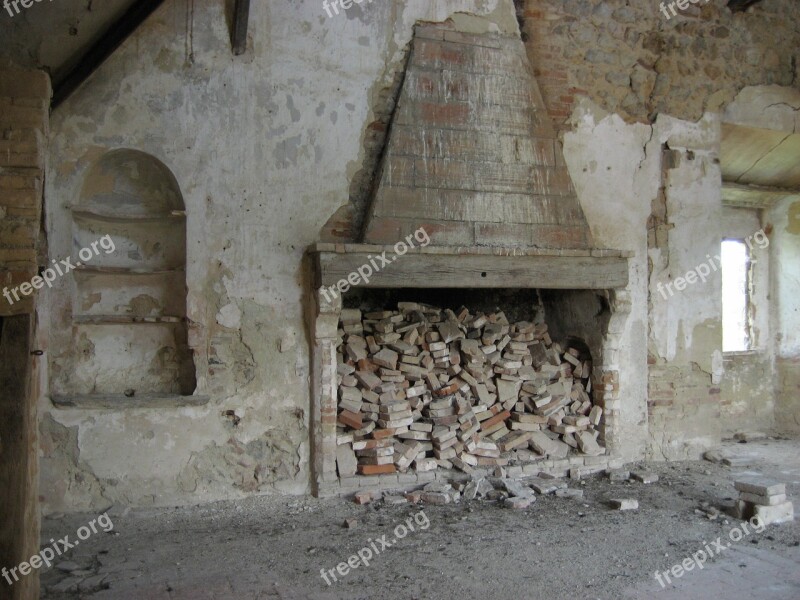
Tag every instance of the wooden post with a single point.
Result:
(19, 507)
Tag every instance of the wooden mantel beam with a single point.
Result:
(455, 268)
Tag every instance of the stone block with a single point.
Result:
(624, 503)
(760, 486)
(517, 488)
(436, 498)
(569, 493)
(762, 500)
(588, 444)
(519, 502)
(546, 486)
(618, 475)
(346, 461)
(644, 476)
(780, 513)
(363, 497)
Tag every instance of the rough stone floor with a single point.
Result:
(268, 548)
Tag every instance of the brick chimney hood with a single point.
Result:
(473, 158)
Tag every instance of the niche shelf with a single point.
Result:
(129, 305)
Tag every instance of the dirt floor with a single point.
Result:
(275, 548)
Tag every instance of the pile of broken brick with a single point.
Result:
(429, 388)
(508, 491)
(512, 493)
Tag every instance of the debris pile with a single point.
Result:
(425, 388)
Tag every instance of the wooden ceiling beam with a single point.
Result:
(103, 48)
(754, 196)
(771, 189)
(741, 5)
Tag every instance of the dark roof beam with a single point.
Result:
(241, 18)
(741, 5)
(103, 48)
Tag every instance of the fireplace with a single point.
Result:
(468, 336)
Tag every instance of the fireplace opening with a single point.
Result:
(465, 379)
(435, 363)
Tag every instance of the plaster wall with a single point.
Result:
(685, 343)
(263, 147)
(785, 218)
(681, 338)
(611, 186)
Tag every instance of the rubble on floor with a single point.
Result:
(731, 457)
(424, 388)
(509, 492)
(501, 487)
(708, 510)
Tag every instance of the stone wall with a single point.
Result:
(630, 59)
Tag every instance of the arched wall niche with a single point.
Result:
(129, 305)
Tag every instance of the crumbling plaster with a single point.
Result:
(686, 326)
(785, 218)
(683, 330)
(263, 147)
(778, 108)
(616, 188)
(610, 187)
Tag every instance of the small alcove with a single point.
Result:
(129, 302)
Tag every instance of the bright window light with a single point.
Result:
(735, 296)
